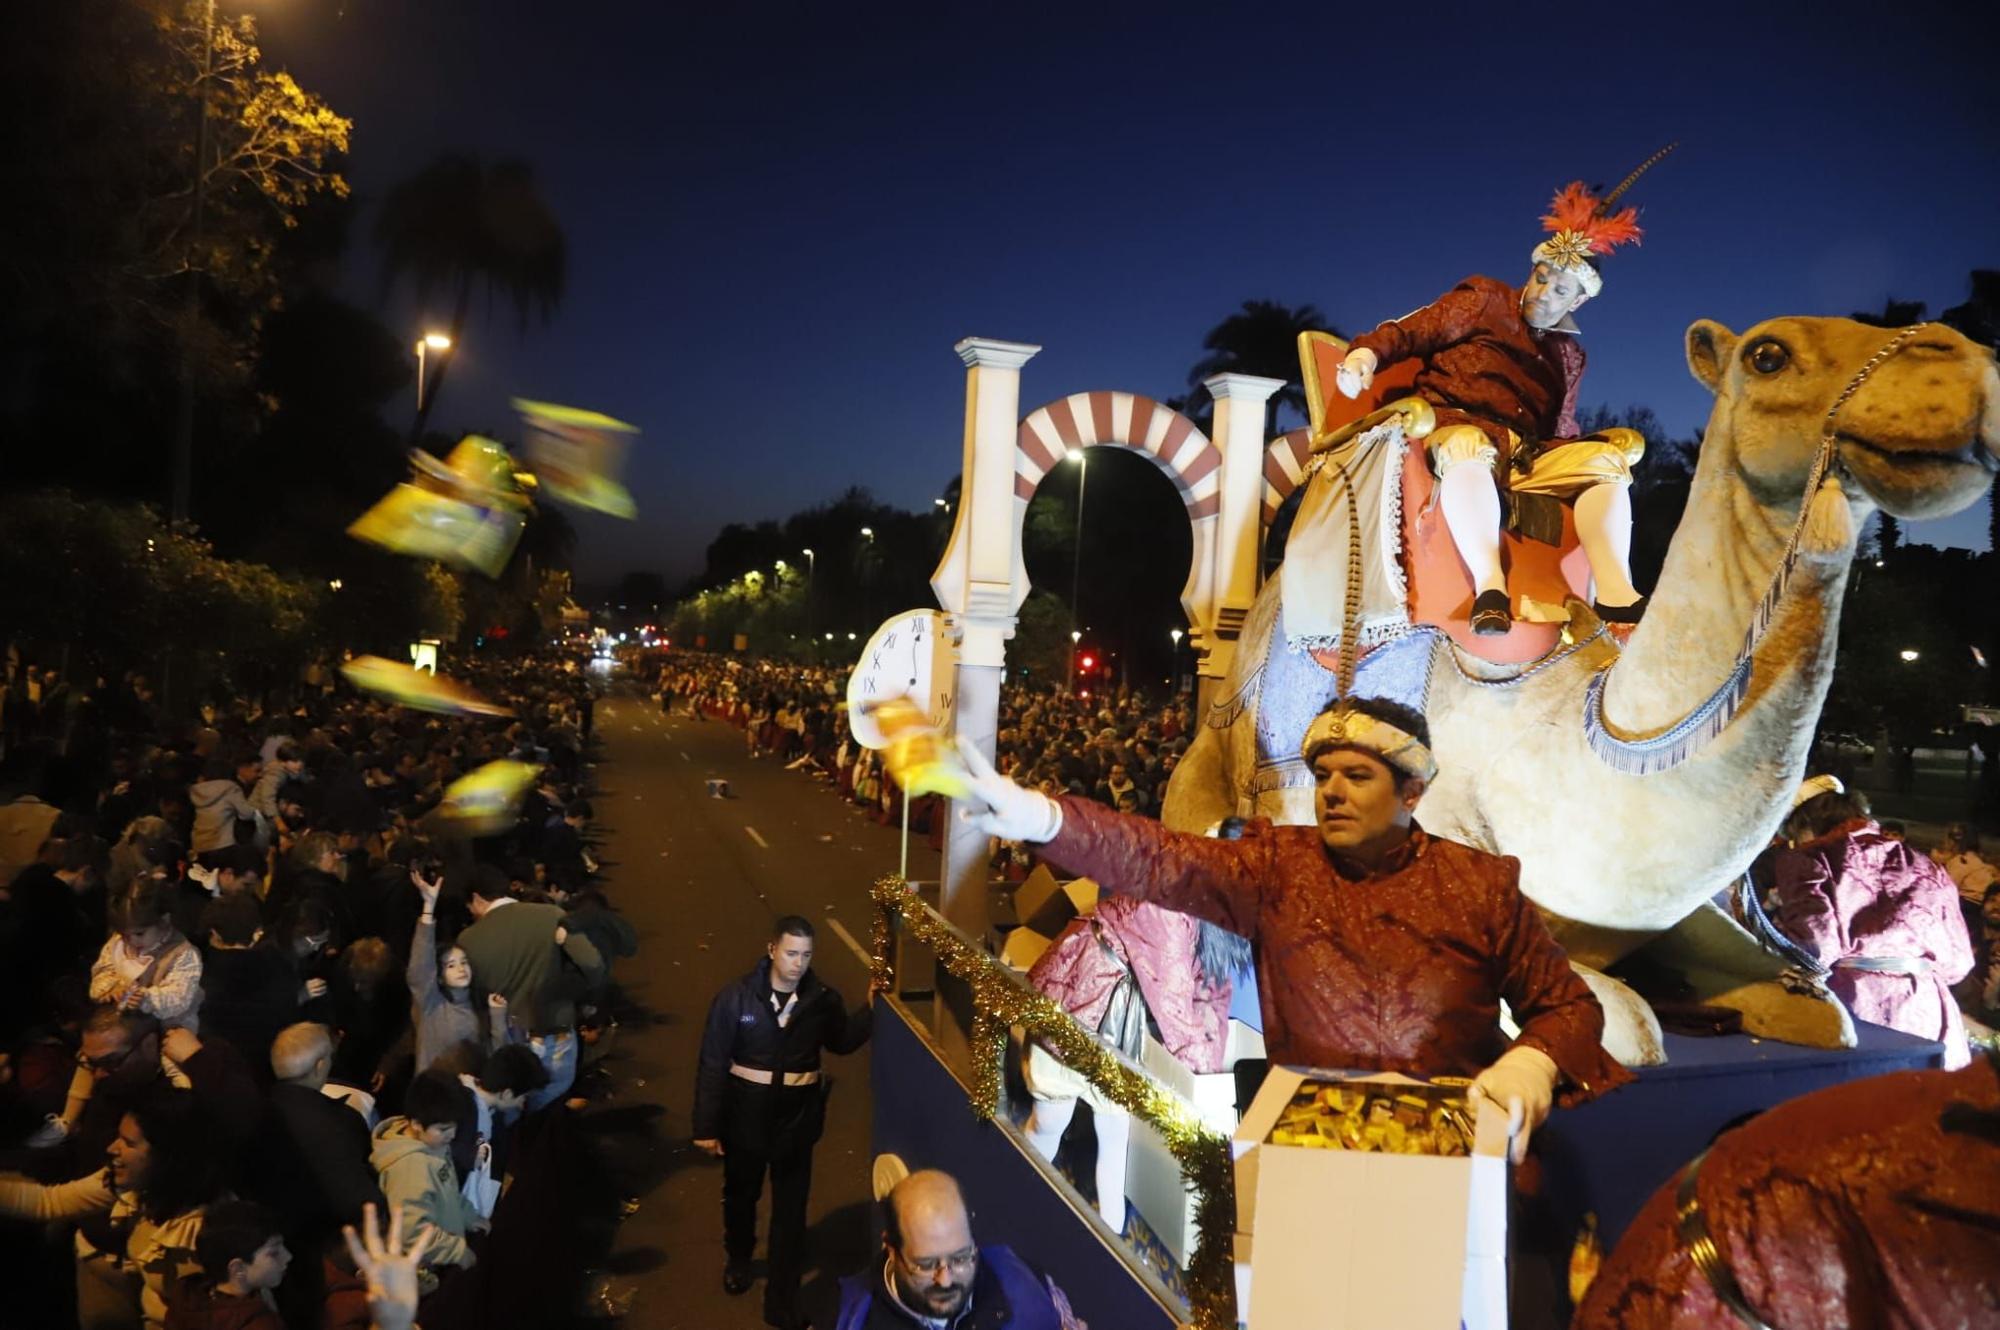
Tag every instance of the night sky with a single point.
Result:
(781, 216)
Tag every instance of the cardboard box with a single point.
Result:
(1347, 1238)
(1042, 907)
(1046, 905)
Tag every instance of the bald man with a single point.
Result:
(310, 1162)
(933, 1275)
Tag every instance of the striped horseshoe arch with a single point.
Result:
(1126, 420)
(1284, 470)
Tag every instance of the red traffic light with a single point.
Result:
(1088, 662)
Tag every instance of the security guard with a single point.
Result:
(759, 1104)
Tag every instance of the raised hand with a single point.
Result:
(389, 1269)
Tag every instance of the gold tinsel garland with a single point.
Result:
(1001, 1000)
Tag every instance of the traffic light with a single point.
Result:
(1087, 663)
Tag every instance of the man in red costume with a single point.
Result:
(1870, 1204)
(1502, 368)
(1378, 946)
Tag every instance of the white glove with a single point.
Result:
(1011, 812)
(1522, 1081)
(1356, 372)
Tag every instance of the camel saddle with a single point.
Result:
(1542, 575)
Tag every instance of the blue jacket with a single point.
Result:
(1005, 1292)
(743, 1028)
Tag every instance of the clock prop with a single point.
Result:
(899, 701)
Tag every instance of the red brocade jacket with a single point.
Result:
(1484, 365)
(1870, 1204)
(1400, 970)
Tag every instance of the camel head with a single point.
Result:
(1920, 437)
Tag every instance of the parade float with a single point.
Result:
(1633, 768)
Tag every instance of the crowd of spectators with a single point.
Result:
(251, 989)
(1118, 749)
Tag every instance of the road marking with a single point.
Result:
(686, 758)
(866, 957)
(762, 844)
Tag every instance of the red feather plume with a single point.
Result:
(1571, 209)
(1575, 208)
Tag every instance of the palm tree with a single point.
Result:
(1262, 338)
(459, 223)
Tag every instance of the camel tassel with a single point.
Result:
(1830, 524)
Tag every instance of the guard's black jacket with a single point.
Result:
(743, 1028)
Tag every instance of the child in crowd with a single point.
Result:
(412, 1159)
(243, 1258)
(146, 965)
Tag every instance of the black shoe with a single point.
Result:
(1491, 614)
(736, 1278)
(1621, 613)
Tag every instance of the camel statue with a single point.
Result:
(1617, 861)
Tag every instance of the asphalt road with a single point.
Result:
(702, 879)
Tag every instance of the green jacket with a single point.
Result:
(421, 1183)
(513, 951)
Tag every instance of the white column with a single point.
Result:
(1240, 401)
(976, 581)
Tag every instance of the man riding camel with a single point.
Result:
(1502, 368)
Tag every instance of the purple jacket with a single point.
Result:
(1158, 945)
(1857, 895)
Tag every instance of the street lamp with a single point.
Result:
(868, 532)
(1076, 557)
(1908, 655)
(781, 565)
(812, 565)
(1074, 638)
(1174, 683)
(430, 341)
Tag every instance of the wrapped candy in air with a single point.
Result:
(417, 689)
(484, 802)
(918, 756)
(467, 510)
(577, 455)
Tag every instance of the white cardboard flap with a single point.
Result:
(1348, 1238)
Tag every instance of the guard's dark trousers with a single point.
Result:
(770, 1129)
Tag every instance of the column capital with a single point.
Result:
(1250, 387)
(986, 351)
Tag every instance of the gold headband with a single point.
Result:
(1345, 727)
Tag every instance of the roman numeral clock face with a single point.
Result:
(900, 660)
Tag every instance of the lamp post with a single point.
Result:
(1174, 683)
(1076, 556)
(811, 565)
(1074, 638)
(430, 341)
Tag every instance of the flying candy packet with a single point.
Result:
(918, 756)
(484, 802)
(417, 689)
(577, 455)
(466, 510)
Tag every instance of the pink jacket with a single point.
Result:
(1191, 1011)
(1857, 894)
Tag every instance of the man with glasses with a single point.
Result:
(127, 1054)
(935, 1277)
